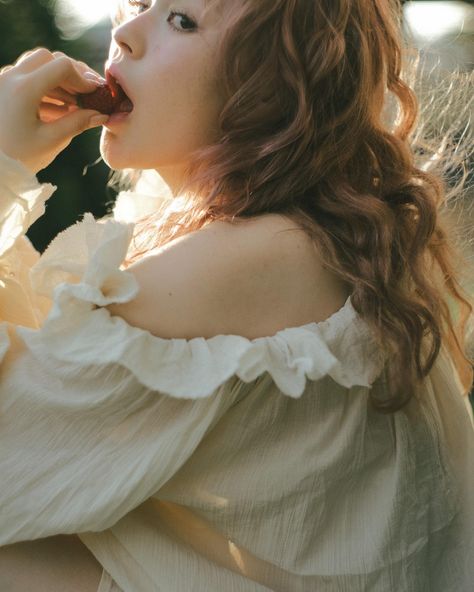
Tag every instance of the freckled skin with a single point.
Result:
(169, 75)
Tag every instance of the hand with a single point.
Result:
(38, 114)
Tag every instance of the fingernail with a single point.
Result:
(91, 77)
(98, 119)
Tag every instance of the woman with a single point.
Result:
(260, 385)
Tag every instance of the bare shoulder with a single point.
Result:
(252, 279)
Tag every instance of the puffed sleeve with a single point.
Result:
(22, 202)
(95, 415)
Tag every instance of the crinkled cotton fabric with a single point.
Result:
(107, 584)
(219, 464)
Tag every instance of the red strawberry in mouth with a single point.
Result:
(108, 98)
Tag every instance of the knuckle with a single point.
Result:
(41, 52)
(22, 58)
(38, 52)
(5, 69)
(64, 63)
(24, 55)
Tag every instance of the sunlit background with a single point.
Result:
(76, 16)
(443, 27)
(432, 21)
(429, 21)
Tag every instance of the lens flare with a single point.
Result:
(431, 20)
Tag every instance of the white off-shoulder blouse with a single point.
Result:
(222, 464)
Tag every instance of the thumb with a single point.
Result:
(77, 122)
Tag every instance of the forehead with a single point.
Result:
(208, 7)
(211, 5)
(214, 10)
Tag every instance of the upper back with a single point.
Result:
(292, 288)
(252, 279)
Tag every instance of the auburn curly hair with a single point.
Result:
(319, 126)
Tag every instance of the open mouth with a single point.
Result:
(120, 101)
(108, 98)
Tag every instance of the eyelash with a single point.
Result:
(138, 4)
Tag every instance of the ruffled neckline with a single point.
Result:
(81, 271)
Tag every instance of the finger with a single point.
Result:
(33, 59)
(47, 107)
(85, 73)
(61, 95)
(5, 69)
(73, 124)
(48, 112)
(24, 55)
(82, 67)
(59, 73)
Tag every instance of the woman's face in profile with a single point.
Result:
(164, 54)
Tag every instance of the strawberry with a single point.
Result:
(107, 98)
(101, 100)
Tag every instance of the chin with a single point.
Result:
(114, 157)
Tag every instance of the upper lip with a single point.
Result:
(112, 70)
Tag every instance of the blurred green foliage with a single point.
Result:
(25, 25)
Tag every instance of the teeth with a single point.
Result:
(126, 106)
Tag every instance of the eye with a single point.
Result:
(186, 21)
(139, 6)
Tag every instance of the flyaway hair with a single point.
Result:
(327, 121)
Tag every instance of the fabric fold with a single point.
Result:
(22, 200)
(81, 272)
(181, 469)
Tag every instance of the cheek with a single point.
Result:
(181, 112)
(177, 114)
(181, 88)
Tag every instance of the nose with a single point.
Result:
(127, 40)
(118, 38)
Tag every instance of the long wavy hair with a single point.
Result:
(320, 126)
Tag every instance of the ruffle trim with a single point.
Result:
(81, 269)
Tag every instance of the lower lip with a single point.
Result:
(117, 118)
